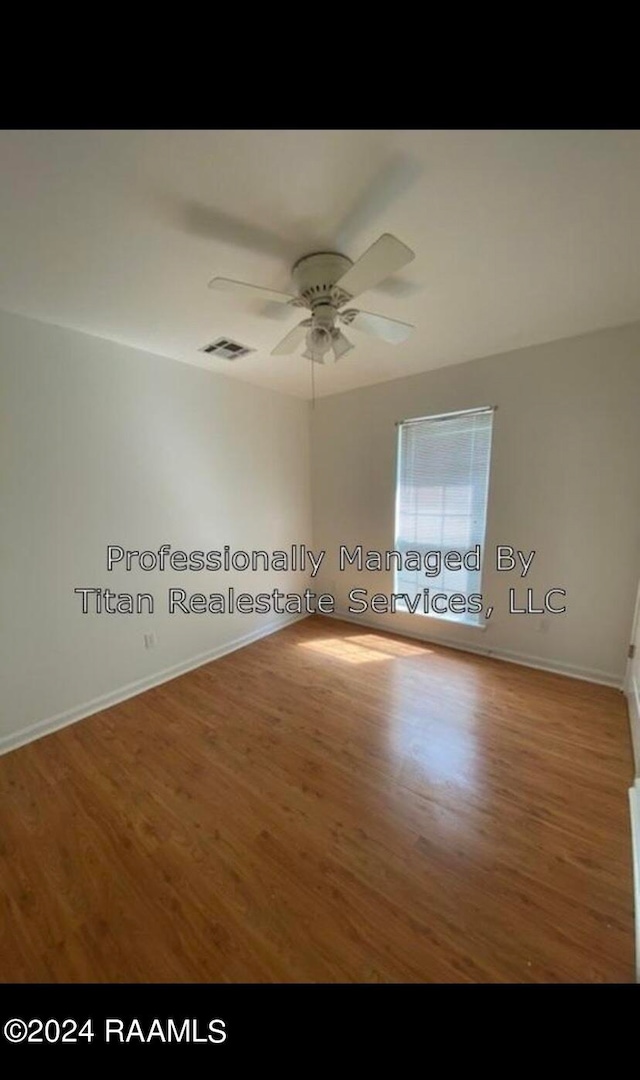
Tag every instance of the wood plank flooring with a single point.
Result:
(327, 804)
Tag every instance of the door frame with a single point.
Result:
(632, 687)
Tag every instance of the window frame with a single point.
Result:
(465, 619)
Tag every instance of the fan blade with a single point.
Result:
(379, 326)
(379, 261)
(340, 344)
(206, 221)
(253, 290)
(390, 183)
(292, 340)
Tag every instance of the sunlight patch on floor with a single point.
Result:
(389, 645)
(339, 649)
(363, 649)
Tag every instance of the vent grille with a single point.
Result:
(226, 349)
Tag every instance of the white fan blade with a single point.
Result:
(379, 326)
(378, 262)
(254, 290)
(393, 180)
(292, 340)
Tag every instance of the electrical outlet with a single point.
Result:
(150, 641)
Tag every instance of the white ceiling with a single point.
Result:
(520, 237)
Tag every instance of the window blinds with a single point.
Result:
(441, 502)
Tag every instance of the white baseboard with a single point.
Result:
(595, 675)
(634, 804)
(633, 704)
(105, 701)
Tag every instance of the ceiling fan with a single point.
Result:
(326, 283)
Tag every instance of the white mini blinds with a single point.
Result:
(441, 499)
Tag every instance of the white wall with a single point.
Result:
(565, 480)
(101, 444)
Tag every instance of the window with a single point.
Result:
(441, 505)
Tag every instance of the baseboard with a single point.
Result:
(540, 663)
(105, 701)
(634, 804)
(632, 692)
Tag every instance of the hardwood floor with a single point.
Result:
(327, 804)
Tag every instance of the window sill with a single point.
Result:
(474, 622)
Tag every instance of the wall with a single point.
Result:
(565, 481)
(103, 444)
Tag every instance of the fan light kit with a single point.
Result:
(326, 284)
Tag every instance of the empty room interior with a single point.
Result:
(319, 556)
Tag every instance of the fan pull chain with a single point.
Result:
(313, 384)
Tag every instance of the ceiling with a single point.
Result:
(520, 237)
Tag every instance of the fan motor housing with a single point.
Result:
(316, 275)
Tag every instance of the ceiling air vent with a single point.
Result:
(226, 349)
